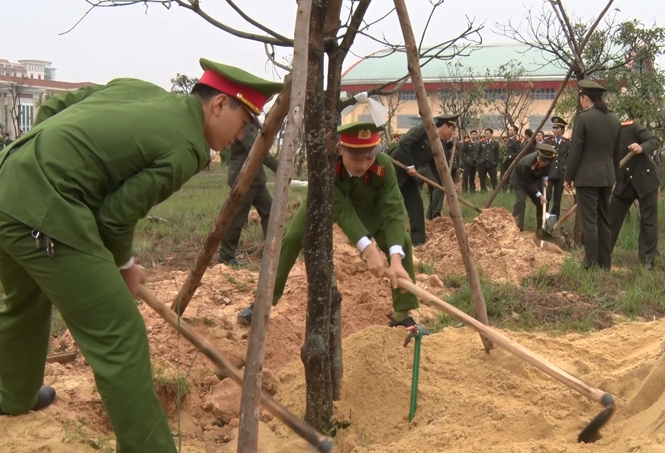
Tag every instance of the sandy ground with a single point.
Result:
(469, 401)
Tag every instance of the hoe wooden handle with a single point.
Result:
(542, 364)
(435, 185)
(322, 443)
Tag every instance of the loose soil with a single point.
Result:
(469, 401)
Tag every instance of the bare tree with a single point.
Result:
(510, 94)
(16, 90)
(393, 103)
(181, 83)
(463, 95)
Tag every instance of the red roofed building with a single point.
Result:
(23, 87)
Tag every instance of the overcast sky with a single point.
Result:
(156, 44)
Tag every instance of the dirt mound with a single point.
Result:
(501, 252)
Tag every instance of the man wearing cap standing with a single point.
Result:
(71, 193)
(488, 160)
(469, 165)
(257, 195)
(528, 179)
(639, 179)
(558, 167)
(414, 151)
(593, 163)
(368, 204)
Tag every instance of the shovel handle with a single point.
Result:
(322, 443)
(575, 383)
(436, 186)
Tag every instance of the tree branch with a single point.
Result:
(271, 57)
(257, 24)
(353, 29)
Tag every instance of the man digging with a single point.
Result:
(71, 193)
(367, 204)
(527, 181)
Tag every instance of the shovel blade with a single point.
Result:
(591, 433)
(550, 222)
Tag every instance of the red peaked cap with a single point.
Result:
(252, 98)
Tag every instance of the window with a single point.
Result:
(407, 121)
(534, 121)
(365, 118)
(26, 117)
(542, 94)
(407, 95)
(495, 94)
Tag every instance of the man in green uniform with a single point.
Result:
(414, 151)
(71, 193)
(488, 159)
(593, 163)
(435, 196)
(368, 204)
(469, 153)
(638, 180)
(529, 177)
(558, 167)
(257, 195)
(513, 148)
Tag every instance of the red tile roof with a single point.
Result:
(53, 84)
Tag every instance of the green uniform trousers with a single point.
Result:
(292, 245)
(104, 320)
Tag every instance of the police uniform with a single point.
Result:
(488, 159)
(414, 150)
(557, 168)
(257, 194)
(513, 148)
(593, 163)
(369, 206)
(431, 172)
(71, 193)
(469, 165)
(527, 181)
(639, 179)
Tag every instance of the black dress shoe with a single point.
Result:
(233, 262)
(245, 316)
(45, 397)
(408, 322)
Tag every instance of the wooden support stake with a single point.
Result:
(231, 205)
(248, 436)
(530, 144)
(442, 165)
(322, 443)
(61, 357)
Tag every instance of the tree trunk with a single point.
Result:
(336, 366)
(318, 235)
(248, 436)
(442, 165)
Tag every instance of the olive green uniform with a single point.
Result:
(593, 162)
(557, 174)
(367, 206)
(527, 181)
(96, 162)
(638, 180)
(257, 194)
(488, 160)
(469, 165)
(414, 150)
(513, 148)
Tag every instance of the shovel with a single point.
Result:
(544, 232)
(592, 431)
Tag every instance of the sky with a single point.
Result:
(156, 43)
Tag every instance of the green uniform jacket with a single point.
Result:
(595, 149)
(640, 170)
(238, 153)
(414, 150)
(363, 206)
(513, 148)
(558, 167)
(470, 153)
(98, 159)
(488, 154)
(526, 177)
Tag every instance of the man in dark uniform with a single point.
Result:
(257, 195)
(639, 179)
(513, 148)
(414, 151)
(368, 204)
(558, 167)
(528, 179)
(72, 190)
(488, 159)
(469, 165)
(593, 163)
(528, 133)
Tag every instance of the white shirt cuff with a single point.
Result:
(545, 178)
(539, 194)
(363, 243)
(127, 265)
(410, 166)
(396, 249)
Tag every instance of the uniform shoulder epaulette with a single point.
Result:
(628, 123)
(378, 170)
